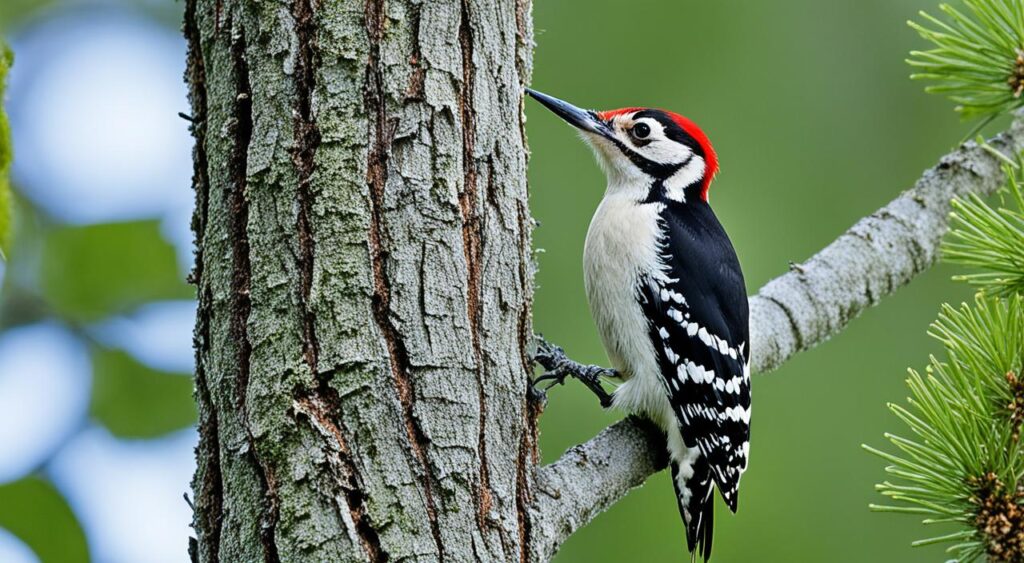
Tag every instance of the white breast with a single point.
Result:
(622, 243)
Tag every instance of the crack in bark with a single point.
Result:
(210, 491)
(528, 457)
(241, 280)
(528, 453)
(417, 79)
(472, 247)
(318, 407)
(210, 494)
(523, 495)
(382, 135)
(307, 141)
(323, 399)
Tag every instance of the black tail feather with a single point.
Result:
(700, 508)
(705, 535)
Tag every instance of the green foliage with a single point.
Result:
(76, 276)
(135, 401)
(965, 423)
(13, 11)
(6, 154)
(98, 270)
(991, 238)
(36, 513)
(978, 58)
(965, 463)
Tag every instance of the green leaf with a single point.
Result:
(91, 272)
(6, 152)
(135, 401)
(34, 511)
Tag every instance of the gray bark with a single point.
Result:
(364, 281)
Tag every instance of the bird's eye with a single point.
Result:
(641, 130)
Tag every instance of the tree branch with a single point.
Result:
(794, 312)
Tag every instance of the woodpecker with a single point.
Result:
(667, 295)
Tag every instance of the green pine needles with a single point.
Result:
(991, 239)
(964, 460)
(961, 461)
(978, 58)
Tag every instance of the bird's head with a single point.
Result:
(644, 149)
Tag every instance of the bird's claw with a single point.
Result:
(555, 377)
(558, 366)
(551, 357)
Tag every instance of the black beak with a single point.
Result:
(585, 120)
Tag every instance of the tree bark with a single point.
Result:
(364, 275)
(364, 279)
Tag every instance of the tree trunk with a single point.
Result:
(364, 276)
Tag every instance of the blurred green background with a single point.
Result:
(816, 124)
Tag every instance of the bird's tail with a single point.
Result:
(691, 477)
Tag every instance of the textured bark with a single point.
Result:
(364, 279)
(792, 313)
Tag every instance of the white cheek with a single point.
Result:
(664, 151)
(686, 176)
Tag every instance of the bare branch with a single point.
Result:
(794, 312)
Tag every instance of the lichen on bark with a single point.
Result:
(364, 279)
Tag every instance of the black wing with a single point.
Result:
(699, 325)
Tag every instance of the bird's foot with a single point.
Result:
(558, 366)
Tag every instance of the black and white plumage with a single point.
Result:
(698, 323)
(668, 298)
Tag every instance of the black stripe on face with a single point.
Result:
(656, 192)
(653, 169)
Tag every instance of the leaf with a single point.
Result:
(136, 401)
(34, 511)
(94, 271)
(6, 152)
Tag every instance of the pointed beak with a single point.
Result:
(582, 119)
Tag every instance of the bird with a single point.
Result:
(668, 298)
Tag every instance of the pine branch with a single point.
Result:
(978, 57)
(964, 461)
(794, 312)
(991, 239)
